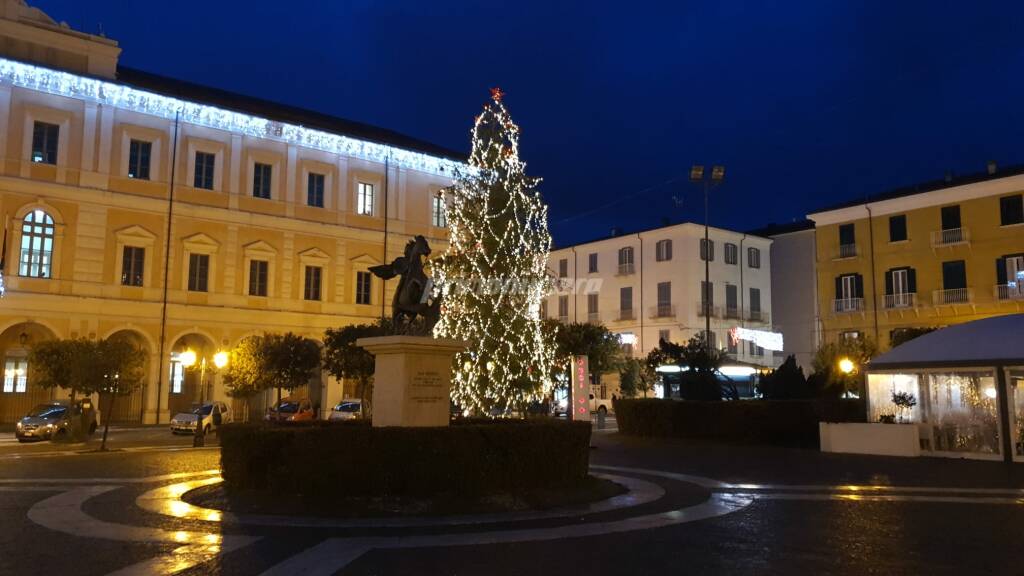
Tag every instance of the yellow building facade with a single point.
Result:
(185, 218)
(951, 253)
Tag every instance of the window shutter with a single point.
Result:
(839, 287)
(860, 285)
(912, 280)
(1001, 271)
(888, 282)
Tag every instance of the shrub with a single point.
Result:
(784, 422)
(786, 382)
(326, 460)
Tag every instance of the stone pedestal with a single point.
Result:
(412, 378)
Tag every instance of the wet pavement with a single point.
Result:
(698, 508)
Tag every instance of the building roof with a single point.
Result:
(774, 229)
(620, 233)
(279, 112)
(988, 342)
(931, 186)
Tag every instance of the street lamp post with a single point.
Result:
(188, 359)
(716, 177)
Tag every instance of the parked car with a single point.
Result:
(347, 410)
(291, 410)
(212, 414)
(57, 421)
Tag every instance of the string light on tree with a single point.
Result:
(494, 273)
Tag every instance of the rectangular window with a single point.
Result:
(592, 263)
(132, 262)
(626, 299)
(563, 268)
(261, 179)
(731, 253)
(849, 287)
(16, 375)
(707, 250)
(364, 198)
(177, 377)
(315, 190)
(138, 159)
(753, 258)
(258, 272)
(755, 304)
(439, 216)
(732, 344)
(592, 304)
(44, 142)
(543, 309)
(364, 284)
(847, 235)
(663, 250)
(198, 272)
(664, 294)
(898, 228)
(950, 217)
(731, 301)
(954, 275)
(563, 307)
(1011, 210)
(707, 294)
(205, 163)
(664, 335)
(313, 276)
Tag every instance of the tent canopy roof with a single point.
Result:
(988, 342)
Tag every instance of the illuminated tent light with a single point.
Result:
(627, 338)
(128, 98)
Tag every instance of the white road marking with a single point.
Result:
(334, 554)
(95, 452)
(166, 500)
(143, 480)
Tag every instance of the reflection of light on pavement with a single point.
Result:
(166, 500)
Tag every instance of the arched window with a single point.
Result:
(36, 245)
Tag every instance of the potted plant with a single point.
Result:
(904, 402)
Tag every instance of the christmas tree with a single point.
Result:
(494, 273)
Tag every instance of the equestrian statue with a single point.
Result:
(414, 296)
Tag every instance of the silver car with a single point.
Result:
(185, 422)
(57, 421)
(347, 410)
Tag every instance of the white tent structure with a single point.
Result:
(968, 384)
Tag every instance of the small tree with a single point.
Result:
(636, 376)
(904, 402)
(343, 359)
(246, 374)
(785, 382)
(904, 335)
(63, 363)
(290, 360)
(120, 369)
(830, 378)
(600, 346)
(700, 379)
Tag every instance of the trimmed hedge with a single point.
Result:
(784, 422)
(353, 459)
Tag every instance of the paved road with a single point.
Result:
(120, 437)
(700, 509)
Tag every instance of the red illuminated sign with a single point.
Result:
(579, 393)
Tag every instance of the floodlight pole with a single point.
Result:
(715, 178)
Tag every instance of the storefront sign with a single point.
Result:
(766, 340)
(579, 391)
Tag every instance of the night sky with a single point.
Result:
(806, 103)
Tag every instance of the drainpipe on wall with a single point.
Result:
(167, 267)
(874, 287)
(743, 300)
(575, 274)
(641, 303)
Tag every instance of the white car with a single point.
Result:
(185, 422)
(347, 410)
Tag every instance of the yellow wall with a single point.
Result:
(987, 241)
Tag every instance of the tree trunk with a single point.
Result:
(106, 423)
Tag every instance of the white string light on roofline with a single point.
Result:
(137, 100)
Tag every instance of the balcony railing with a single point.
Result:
(757, 316)
(905, 300)
(663, 311)
(841, 305)
(1009, 292)
(626, 315)
(953, 296)
(846, 251)
(950, 237)
(594, 317)
(732, 312)
(715, 310)
(626, 269)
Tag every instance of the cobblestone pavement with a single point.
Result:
(694, 508)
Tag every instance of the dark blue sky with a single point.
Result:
(806, 103)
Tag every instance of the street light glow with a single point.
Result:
(220, 359)
(846, 365)
(187, 358)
